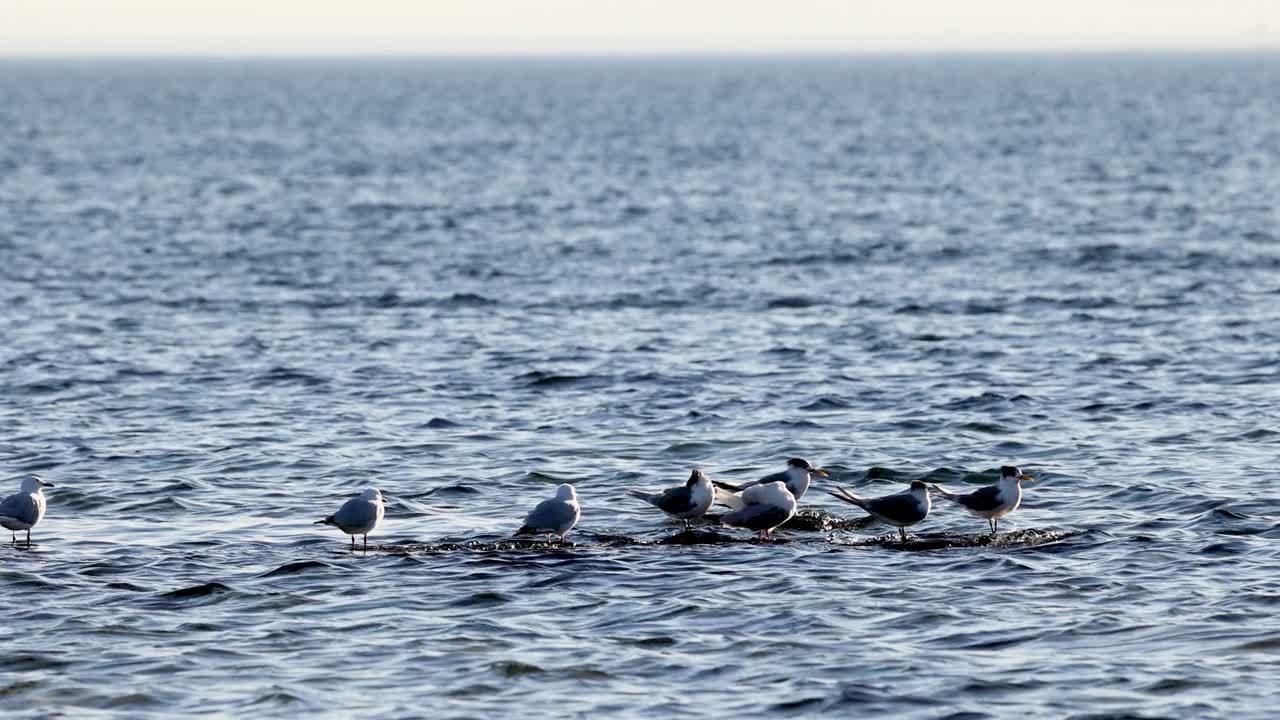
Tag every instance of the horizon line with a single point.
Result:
(655, 53)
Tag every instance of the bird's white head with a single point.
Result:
(1009, 473)
(800, 466)
(373, 494)
(33, 483)
(566, 492)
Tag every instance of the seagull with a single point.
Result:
(796, 477)
(682, 502)
(993, 501)
(901, 510)
(761, 508)
(359, 515)
(24, 509)
(556, 516)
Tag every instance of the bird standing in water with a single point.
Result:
(359, 515)
(993, 501)
(901, 510)
(556, 516)
(21, 511)
(682, 502)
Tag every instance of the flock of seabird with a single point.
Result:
(762, 505)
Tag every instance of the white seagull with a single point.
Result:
(761, 508)
(901, 510)
(359, 515)
(682, 502)
(993, 501)
(23, 510)
(796, 477)
(556, 516)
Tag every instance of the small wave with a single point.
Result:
(826, 402)
(196, 591)
(452, 490)
(794, 302)
(294, 568)
(540, 379)
(514, 668)
(281, 375)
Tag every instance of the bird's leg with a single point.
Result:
(366, 541)
(353, 542)
(995, 525)
(903, 532)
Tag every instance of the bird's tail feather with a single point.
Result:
(729, 499)
(945, 492)
(525, 530)
(727, 486)
(640, 494)
(326, 521)
(845, 495)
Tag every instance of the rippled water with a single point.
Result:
(237, 293)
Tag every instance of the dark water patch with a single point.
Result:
(31, 662)
(447, 490)
(659, 641)
(211, 589)
(825, 402)
(128, 586)
(439, 422)
(550, 380)
(281, 375)
(484, 599)
(278, 697)
(19, 688)
(794, 302)
(1269, 645)
(515, 668)
(295, 568)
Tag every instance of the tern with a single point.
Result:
(796, 477)
(901, 510)
(761, 508)
(682, 502)
(993, 501)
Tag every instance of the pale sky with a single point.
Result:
(324, 27)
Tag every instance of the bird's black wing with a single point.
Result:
(675, 500)
(781, 477)
(982, 500)
(902, 507)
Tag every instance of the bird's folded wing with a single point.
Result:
(549, 515)
(356, 513)
(20, 507)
